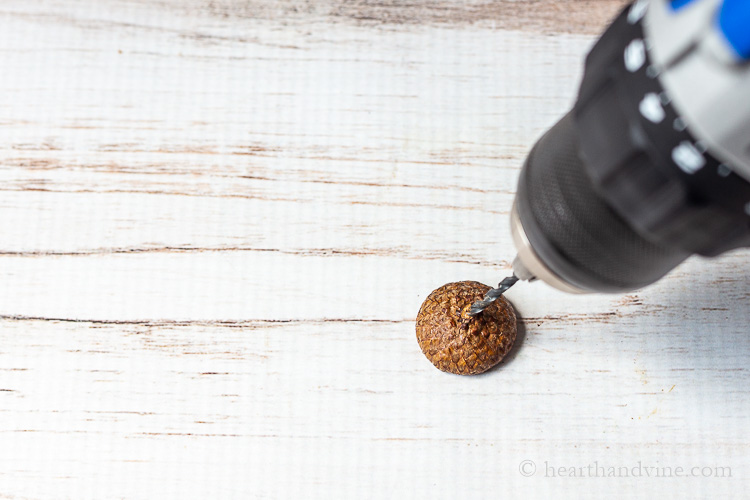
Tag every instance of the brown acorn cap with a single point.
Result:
(458, 343)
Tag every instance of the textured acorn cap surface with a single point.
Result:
(458, 343)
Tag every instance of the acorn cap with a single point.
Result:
(458, 343)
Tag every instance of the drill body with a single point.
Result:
(652, 164)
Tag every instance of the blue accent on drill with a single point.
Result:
(734, 22)
(678, 4)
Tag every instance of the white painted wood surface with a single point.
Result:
(218, 221)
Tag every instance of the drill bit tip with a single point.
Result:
(491, 296)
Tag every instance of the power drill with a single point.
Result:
(652, 164)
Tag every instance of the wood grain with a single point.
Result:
(219, 219)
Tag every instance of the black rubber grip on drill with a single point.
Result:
(574, 230)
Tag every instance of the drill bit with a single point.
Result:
(491, 296)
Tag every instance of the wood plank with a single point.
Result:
(218, 220)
